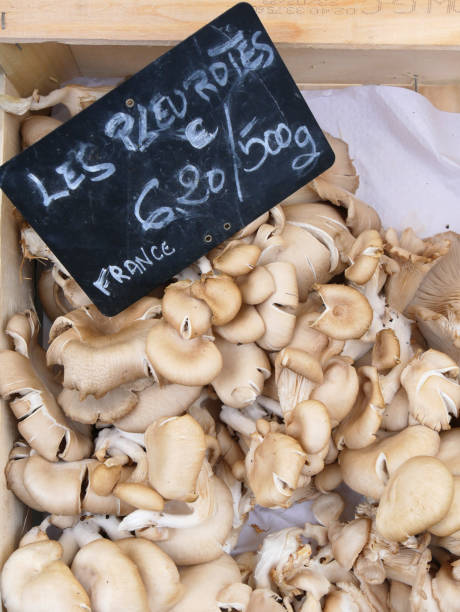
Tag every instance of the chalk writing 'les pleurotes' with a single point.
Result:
(167, 116)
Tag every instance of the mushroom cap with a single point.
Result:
(221, 294)
(451, 521)
(202, 584)
(257, 286)
(278, 311)
(36, 127)
(339, 373)
(386, 350)
(114, 405)
(176, 448)
(158, 572)
(185, 362)
(302, 363)
(248, 326)
(348, 540)
(367, 470)
(418, 495)
(449, 450)
(329, 479)
(327, 508)
(309, 424)
(48, 294)
(347, 315)
(365, 255)
(446, 587)
(14, 474)
(245, 369)
(273, 468)
(432, 396)
(396, 415)
(111, 579)
(359, 427)
(237, 258)
(157, 402)
(203, 542)
(139, 495)
(190, 316)
(35, 580)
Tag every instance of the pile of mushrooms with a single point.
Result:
(311, 355)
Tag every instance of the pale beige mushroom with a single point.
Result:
(35, 579)
(347, 312)
(339, 373)
(73, 294)
(278, 311)
(415, 258)
(430, 383)
(309, 424)
(114, 405)
(236, 258)
(450, 523)
(158, 572)
(368, 469)
(176, 448)
(436, 303)
(359, 427)
(348, 539)
(48, 295)
(364, 255)
(40, 420)
(101, 353)
(248, 326)
(273, 468)
(193, 543)
(418, 495)
(449, 450)
(35, 127)
(360, 216)
(157, 402)
(74, 97)
(257, 286)
(111, 579)
(205, 582)
(171, 355)
(252, 227)
(446, 587)
(245, 368)
(329, 479)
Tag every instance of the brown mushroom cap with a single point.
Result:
(386, 350)
(248, 326)
(36, 127)
(365, 255)
(418, 495)
(449, 450)
(339, 373)
(221, 294)
(309, 424)
(176, 448)
(273, 467)
(237, 258)
(173, 357)
(347, 315)
(190, 316)
(451, 521)
(245, 368)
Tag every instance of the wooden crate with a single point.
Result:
(325, 43)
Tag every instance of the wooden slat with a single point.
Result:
(37, 66)
(15, 296)
(446, 97)
(401, 23)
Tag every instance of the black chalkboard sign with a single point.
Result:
(170, 163)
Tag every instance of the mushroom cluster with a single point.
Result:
(313, 351)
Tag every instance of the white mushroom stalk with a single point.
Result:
(112, 442)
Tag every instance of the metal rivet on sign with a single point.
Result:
(129, 102)
(227, 226)
(208, 238)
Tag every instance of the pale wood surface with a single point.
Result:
(15, 296)
(401, 23)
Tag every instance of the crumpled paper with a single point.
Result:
(407, 155)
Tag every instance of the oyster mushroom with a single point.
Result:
(364, 255)
(347, 312)
(190, 316)
(245, 368)
(236, 258)
(430, 383)
(170, 356)
(418, 495)
(36, 127)
(257, 286)
(35, 579)
(101, 353)
(248, 326)
(221, 294)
